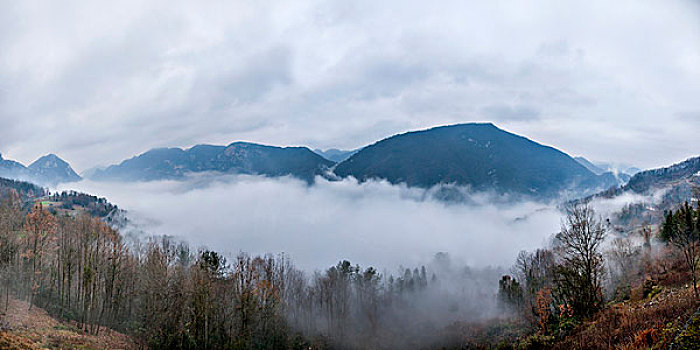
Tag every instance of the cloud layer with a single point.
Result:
(97, 82)
(372, 223)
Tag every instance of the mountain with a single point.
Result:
(478, 155)
(48, 170)
(336, 155)
(52, 169)
(590, 166)
(238, 158)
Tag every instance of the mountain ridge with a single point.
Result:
(237, 157)
(479, 155)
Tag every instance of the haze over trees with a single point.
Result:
(58, 252)
(170, 296)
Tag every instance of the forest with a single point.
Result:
(167, 295)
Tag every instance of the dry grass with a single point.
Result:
(9, 341)
(635, 324)
(36, 329)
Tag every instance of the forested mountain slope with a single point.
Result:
(662, 189)
(480, 156)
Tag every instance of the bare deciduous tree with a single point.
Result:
(579, 276)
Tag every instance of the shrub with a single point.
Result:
(536, 342)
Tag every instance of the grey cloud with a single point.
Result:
(510, 112)
(689, 116)
(99, 81)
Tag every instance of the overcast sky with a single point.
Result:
(97, 82)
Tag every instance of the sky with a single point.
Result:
(100, 81)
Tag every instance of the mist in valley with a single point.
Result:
(436, 263)
(372, 223)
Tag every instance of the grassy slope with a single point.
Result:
(643, 324)
(35, 329)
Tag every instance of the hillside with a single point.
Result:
(25, 190)
(236, 158)
(662, 189)
(25, 329)
(481, 156)
(687, 172)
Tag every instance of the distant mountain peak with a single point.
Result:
(49, 161)
(336, 155)
(52, 169)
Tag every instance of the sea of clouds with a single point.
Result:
(371, 223)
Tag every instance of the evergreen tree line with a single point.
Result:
(98, 207)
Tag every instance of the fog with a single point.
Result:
(608, 207)
(390, 227)
(371, 224)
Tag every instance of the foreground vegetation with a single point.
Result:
(576, 295)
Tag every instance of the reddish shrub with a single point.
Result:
(647, 338)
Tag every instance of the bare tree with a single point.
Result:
(10, 223)
(624, 260)
(41, 227)
(535, 271)
(579, 277)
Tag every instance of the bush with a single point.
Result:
(646, 338)
(536, 342)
